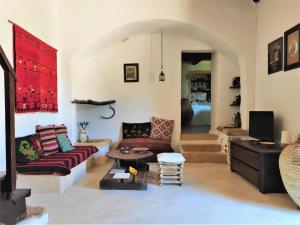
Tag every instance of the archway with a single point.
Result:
(172, 27)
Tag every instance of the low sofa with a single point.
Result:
(155, 135)
(44, 167)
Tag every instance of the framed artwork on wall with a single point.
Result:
(291, 48)
(275, 53)
(131, 72)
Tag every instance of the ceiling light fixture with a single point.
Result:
(161, 75)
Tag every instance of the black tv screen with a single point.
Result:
(261, 125)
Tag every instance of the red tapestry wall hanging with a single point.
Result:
(36, 68)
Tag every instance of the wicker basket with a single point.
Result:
(289, 164)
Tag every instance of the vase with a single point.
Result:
(82, 135)
(289, 165)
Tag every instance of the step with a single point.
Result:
(213, 157)
(199, 142)
(199, 136)
(201, 148)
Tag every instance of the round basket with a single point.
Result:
(289, 165)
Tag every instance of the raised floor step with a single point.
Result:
(213, 157)
(201, 148)
(198, 136)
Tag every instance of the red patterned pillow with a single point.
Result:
(161, 128)
(48, 139)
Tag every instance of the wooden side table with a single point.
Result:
(99, 157)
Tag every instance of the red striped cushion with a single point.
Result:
(61, 129)
(47, 136)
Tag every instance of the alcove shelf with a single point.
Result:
(97, 103)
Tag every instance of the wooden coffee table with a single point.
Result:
(132, 156)
(108, 183)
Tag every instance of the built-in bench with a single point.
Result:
(54, 183)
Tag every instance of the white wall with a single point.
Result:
(100, 77)
(280, 91)
(39, 18)
(222, 73)
(87, 27)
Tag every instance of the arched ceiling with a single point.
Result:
(169, 26)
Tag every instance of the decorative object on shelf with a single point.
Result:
(237, 101)
(131, 72)
(162, 76)
(83, 137)
(36, 68)
(97, 103)
(237, 122)
(291, 48)
(236, 83)
(275, 55)
(285, 138)
(289, 163)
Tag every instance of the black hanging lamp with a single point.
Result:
(161, 75)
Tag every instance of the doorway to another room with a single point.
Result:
(195, 92)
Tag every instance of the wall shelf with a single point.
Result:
(92, 102)
(97, 103)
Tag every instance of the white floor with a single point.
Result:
(211, 195)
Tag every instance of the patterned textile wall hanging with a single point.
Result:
(36, 68)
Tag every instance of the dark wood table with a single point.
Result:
(108, 183)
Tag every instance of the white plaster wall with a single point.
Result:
(280, 91)
(228, 26)
(39, 18)
(100, 77)
(222, 73)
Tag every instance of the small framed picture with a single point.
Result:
(291, 48)
(275, 55)
(131, 72)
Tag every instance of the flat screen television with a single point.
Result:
(261, 125)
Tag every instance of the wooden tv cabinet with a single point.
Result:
(257, 163)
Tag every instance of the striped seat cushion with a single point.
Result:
(58, 163)
(44, 166)
(48, 139)
(74, 157)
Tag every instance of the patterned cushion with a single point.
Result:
(25, 149)
(61, 129)
(48, 139)
(151, 143)
(161, 128)
(37, 145)
(136, 130)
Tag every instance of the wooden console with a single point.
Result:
(257, 163)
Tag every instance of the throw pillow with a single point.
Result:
(48, 139)
(161, 128)
(64, 143)
(25, 151)
(61, 129)
(136, 130)
(37, 145)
